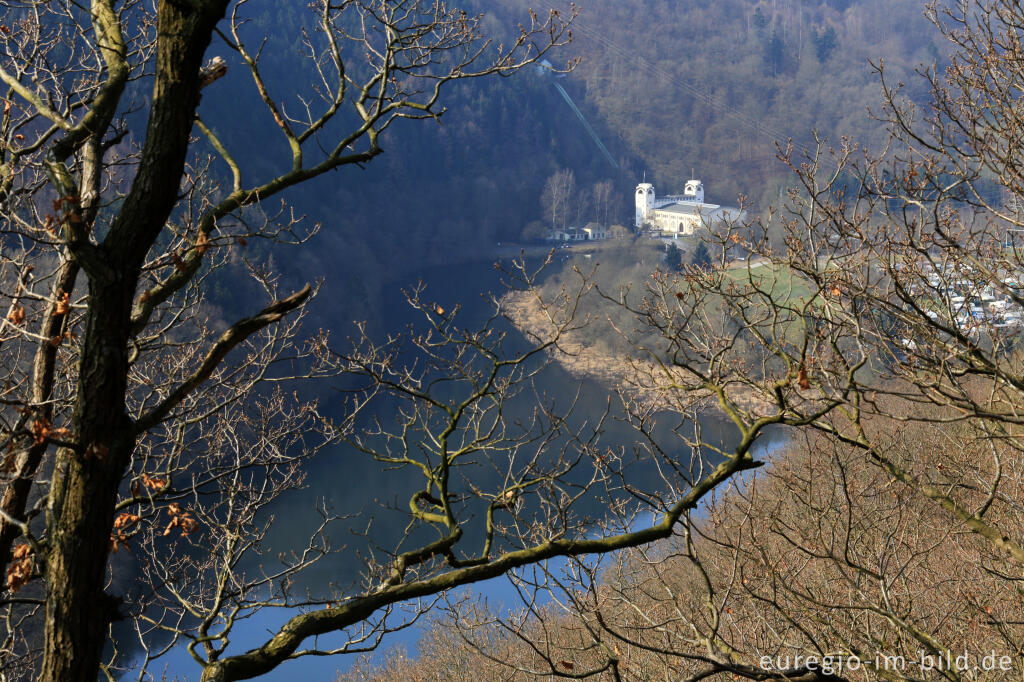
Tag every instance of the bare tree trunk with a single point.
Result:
(89, 474)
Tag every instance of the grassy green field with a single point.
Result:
(775, 280)
(628, 267)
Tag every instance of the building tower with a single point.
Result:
(694, 191)
(644, 202)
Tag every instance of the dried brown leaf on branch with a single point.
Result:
(19, 571)
(202, 243)
(42, 430)
(801, 378)
(154, 483)
(63, 304)
(180, 519)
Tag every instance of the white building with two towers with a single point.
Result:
(677, 215)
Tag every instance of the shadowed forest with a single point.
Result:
(669, 87)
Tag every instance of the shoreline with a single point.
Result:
(648, 383)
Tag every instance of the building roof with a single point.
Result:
(690, 208)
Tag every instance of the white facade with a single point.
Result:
(593, 232)
(683, 218)
(644, 202)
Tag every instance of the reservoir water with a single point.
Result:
(350, 483)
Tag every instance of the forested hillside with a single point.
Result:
(440, 193)
(712, 86)
(669, 87)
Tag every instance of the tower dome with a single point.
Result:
(694, 191)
